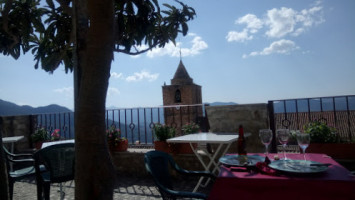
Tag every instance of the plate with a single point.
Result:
(298, 166)
(237, 160)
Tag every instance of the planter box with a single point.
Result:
(162, 146)
(121, 147)
(183, 148)
(38, 145)
(174, 148)
(335, 150)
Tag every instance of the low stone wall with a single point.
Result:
(17, 126)
(253, 117)
(131, 163)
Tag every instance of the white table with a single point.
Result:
(12, 140)
(47, 144)
(222, 139)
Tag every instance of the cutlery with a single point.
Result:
(320, 164)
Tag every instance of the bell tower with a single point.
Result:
(182, 91)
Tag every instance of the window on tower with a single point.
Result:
(177, 96)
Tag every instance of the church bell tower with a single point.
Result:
(182, 91)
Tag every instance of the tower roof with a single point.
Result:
(181, 76)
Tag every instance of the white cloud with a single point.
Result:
(252, 22)
(280, 47)
(67, 91)
(143, 75)
(288, 21)
(238, 36)
(112, 91)
(198, 45)
(116, 75)
(278, 23)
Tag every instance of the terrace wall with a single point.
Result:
(226, 119)
(17, 126)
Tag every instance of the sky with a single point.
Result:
(242, 51)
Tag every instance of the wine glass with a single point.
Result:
(266, 137)
(303, 140)
(283, 135)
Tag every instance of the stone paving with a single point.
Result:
(128, 188)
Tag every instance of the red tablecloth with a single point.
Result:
(335, 183)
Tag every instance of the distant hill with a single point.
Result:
(315, 105)
(11, 109)
(221, 103)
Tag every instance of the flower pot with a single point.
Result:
(162, 146)
(120, 147)
(38, 145)
(183, 148)
(335, 150)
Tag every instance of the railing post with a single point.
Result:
(272, 125)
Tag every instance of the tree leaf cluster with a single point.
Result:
(45, 28)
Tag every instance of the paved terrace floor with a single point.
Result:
(127, 188)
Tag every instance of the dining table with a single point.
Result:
(251, 182)
(47, 144)
(222, 140)
(12, 140)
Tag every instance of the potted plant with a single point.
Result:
(115, 141)
(325, 140)
(55, 135)
(39, 136)
(189, 128)
(162, 133)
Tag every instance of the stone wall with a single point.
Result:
(132, 163)
(253, 117)
(17, 126)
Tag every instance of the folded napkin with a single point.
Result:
(264, 168)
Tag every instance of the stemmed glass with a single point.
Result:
(266, 137)
(303, 140)
(283, 135)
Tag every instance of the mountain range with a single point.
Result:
(11, 109)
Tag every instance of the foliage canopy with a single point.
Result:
(45, 28)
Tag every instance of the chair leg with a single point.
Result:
(11, 188)
(47, 186)
(39, 190)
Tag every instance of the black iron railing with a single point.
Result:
(52, 121)
(336, 111)
(136, 124)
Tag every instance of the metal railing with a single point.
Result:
(335, 111)
(136, 124)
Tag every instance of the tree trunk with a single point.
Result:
(94, 170)
(4, 184)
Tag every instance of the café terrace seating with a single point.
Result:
(22, 166)
(59, 162)
(157, 164)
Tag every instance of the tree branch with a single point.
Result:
(5, 25)
(137, 51)
(65, 5)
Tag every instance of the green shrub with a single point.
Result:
(40, 135)
(163, 132)
(320, 132)
(190, 128)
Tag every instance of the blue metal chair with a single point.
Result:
(157, 164)
(59, 162)
(22, 167)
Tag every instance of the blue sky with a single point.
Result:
(244, 51)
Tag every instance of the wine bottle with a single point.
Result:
(241, 142)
